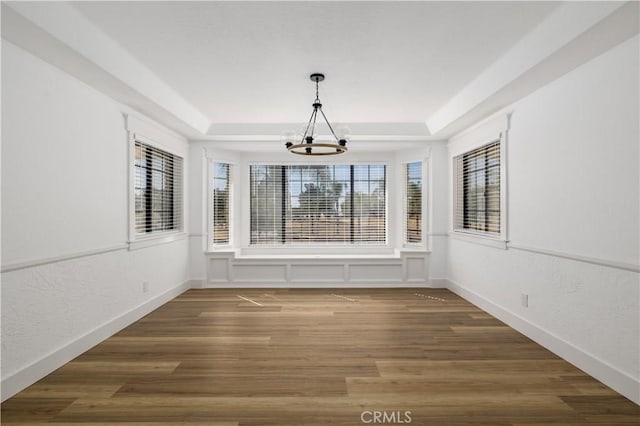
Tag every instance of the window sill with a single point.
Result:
(221, 248)
(393, 254)
(316, 251)
(477, 238)
(413, 247)
(164, 238)
(318, 256)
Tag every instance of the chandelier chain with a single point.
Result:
(329, 124)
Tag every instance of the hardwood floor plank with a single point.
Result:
(236, 385)
(127, 424)
(479, 368)
(46, 390)
(309, 367)
(317, 357)
(34, 409)
(118, 367)
(273, 410)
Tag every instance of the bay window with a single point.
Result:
(413, 219)
(318, 204)
(220, 203)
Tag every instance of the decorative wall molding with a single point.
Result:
(324, 284)
(506, 245)
(437, 234)
(132, 245)
(141, 126)
(32, 373)
(227, 269)
(619, 381)
(596, 261)
(156, 240)
(45, 261)
(479, 239)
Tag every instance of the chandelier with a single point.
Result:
(306, 144)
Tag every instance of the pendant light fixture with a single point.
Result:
(307, 144)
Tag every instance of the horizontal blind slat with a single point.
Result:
(157, 190)
(221, 173)
(312, 204)
(412, 189)
(477, 189)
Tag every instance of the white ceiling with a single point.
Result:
(248, 62)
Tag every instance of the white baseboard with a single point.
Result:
(438, 283)
(325, 284)
(197, 283)
(617, 380)
(56, 359)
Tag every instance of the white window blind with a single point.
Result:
(220, 202)
(478, 189)
(318, 204)
(413, 203)
(157, 189)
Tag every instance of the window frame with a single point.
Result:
(138, 240)
(465, 233)
(348, 247)
(209, 164)
(424, 203)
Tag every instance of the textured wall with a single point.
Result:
(47, 307)
(573, 188)
(590, 306)
(65, 191)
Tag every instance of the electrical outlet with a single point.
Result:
(524, 300)
(145, 286)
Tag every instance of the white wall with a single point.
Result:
(573, 188)
(65, 195)
(438, 211)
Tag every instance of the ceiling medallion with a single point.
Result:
(307, 144)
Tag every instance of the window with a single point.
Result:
(318, 204)
(157, 189)
(413, 203)
(478, 190)
(220, 208)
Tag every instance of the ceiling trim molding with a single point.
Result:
(575, 33)
(61, 36)
(276, 138)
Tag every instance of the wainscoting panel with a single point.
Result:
(312, 272)
(416, 268)
(376, 272)
(259, 272)
(403, 268)
(219, 269)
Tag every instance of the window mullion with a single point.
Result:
(486, 189)
(351, 205)
(283, 204)
(148, 192)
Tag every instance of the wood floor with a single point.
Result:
(318, 357)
